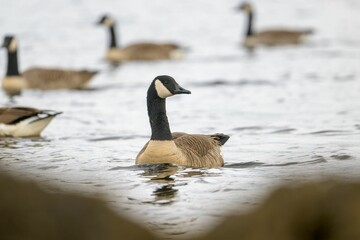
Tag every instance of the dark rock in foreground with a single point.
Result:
(29, 212)
(322, 210)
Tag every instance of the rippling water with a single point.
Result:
(293, 113)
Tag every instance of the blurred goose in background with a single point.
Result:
(39, 78)
(138, 51)
(24, 121)
(190, 150)
(275, 37)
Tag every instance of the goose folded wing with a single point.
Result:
(195, 144)
(14, 115)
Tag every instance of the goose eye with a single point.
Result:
(165, 82)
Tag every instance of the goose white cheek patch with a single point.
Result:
(13, 45)
(108, 22)
(161, 90)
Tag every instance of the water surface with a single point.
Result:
(293, 113)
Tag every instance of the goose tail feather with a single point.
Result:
(220, 138)
(309, 31)
(44, 114)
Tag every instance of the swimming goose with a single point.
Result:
(138, 51)
(275, 37)
(24, 121)
(39, 78)
(190, 150)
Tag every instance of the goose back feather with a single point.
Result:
(13, 115)
(190, 150)
(199, 150)
(145, 51)
(43, 78)
(276, 38)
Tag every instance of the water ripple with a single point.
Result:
(331, 132)
(261, 164)
(112, 138)
(243, 82)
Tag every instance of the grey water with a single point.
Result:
(293, 113)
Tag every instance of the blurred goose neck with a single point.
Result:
(160, 129)
(12, 66)
(113, 43)
(249, 30)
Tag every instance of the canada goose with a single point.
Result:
(190, 150)
(40, 78)
(24, 121)
(270, 37)
(138, 51)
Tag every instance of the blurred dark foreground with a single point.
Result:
(319, 210)
(28, 212)
(328, 209)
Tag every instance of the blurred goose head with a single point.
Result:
(106, 20)
(246, 7)
(10, 43)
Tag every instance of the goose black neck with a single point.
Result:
(113, 43)
(12, 67)
(160, 129)
(249, 30)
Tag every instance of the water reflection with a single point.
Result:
(8, 143)
(159, 172)
(168, 178)
(193, 173)
(162, 174)
(165, 194)
(15, 143)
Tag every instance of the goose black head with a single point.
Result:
(10, 43)
(106, 20)
(166, 86)
(246, 7)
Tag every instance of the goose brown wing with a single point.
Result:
(43, 78)
(147, 51)
(16, 114)
(282, 32)
(176, 135)
(196, 144)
